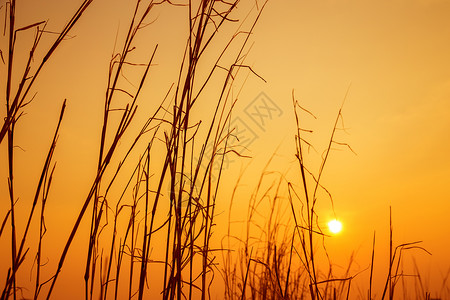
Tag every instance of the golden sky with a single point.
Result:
(391, 55)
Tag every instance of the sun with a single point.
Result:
(335, 226)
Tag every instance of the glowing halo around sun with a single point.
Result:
(335, 226)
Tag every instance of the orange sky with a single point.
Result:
(392, 55)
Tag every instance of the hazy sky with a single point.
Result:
(391, 55)
(394, 57)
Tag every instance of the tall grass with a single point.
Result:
(151, 203)
(188, 221)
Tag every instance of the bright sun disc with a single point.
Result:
(335, 226)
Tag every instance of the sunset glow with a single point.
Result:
(335, 226)
(224, 149)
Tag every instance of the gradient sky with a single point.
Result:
(392, 56)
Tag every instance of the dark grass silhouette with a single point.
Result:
(171, 195)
